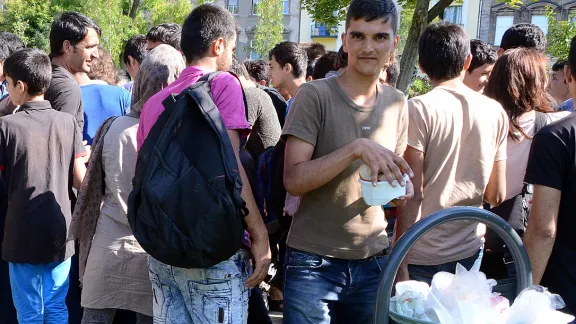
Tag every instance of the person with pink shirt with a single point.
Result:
(219, 293)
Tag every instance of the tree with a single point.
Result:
(268, 31)
(560, 33)
(119, 19)
(29, 19)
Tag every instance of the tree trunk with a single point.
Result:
(422, 17)
(134, 9)
(438, 9)
(410, 54)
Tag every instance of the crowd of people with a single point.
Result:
(496, 132)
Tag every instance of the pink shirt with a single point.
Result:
(226, 93)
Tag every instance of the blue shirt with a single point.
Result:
(567, 105)
(102, 101)
(3, 90)
(288, 103)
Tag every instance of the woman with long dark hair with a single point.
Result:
(518, 82)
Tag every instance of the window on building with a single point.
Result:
(453, 14)
(253, 55)
(255, 4)
(502, 24)
(233, 6)
(285, 7)
(542, 22)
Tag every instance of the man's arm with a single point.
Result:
(495, 192)
(541, 231)
(410, 213)
(254, 223)
(302, 175)
(79, 172)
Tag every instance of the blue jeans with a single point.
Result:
(214, 295)
(39, 292)
(425, 273)
(319, 289)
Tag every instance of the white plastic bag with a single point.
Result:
(462, 298)
(536, 305)
(410, 299)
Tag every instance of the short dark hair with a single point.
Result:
(291, 53)
(572, 57)
(258, 70)
(314, 50)
(205, 24)
(12, 41)
(31, 66)
(559, 66)
(239, 69)
(524, 35)
(442, 50)
(371, 10)
(4, 52)
(122, 75)
(341, 60)
(135, 47)
(310, 68)
(168, 33)
(392, 73)
(70, 26)
(324, 65)
(482, 53)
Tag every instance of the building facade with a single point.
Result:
(247, 17)
(497, 17)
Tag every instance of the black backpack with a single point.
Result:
(186, 208)
(280, 104)
(269, 191)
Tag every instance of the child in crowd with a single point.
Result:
(41, 154)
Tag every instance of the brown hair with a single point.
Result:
(518, 83)
(103, 68)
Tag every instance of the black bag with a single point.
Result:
(279, 102)
(186, 208)
(269, 190)
(517, 209)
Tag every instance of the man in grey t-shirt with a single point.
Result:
(74, 40)
(261, 114)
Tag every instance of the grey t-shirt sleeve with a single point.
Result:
(65, 96)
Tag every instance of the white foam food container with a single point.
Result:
(383, 193)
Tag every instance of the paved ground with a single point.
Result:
(276, 317)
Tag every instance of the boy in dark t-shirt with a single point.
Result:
(549, 237)
(40, 158)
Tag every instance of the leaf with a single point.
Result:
(268, 31)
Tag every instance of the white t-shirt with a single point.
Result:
(518, 151)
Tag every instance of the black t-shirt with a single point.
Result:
(38, 146)
(65, 95)
(552, 163)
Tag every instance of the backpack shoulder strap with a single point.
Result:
(207, 78)
(540, 122)
(212, 115)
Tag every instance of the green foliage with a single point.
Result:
(268, 31)
(327, 12)
(174, 11)
(420, 86)
(559, 34)
(31, 19)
